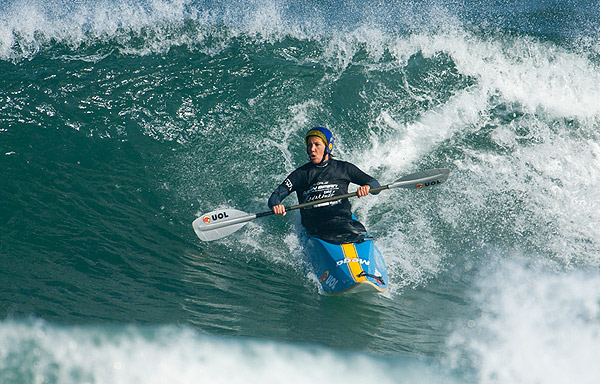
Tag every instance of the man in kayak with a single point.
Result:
(321, 178)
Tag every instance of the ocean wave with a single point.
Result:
(532, 325)
(28, 27)
(35, 351)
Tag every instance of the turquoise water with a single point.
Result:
(121, 122)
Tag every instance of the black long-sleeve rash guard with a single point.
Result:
(314, 182)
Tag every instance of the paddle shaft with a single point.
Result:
(222, 222)
(396, 184)
(323, 201)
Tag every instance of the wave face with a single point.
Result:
(122, 121)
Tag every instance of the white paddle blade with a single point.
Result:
(423, 179)
(220, 223)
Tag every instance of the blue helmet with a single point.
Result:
(324, 134)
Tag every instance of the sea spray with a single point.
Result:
(529, 317)
(35, 351)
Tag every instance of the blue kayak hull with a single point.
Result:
(345, 267)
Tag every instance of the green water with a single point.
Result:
(118, 129)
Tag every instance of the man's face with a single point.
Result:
(315, 149)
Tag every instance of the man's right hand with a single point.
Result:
(279, 210)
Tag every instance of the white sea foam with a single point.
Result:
(39, 352)
(525, 162)
(532, 326)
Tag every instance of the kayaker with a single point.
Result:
(320, 178)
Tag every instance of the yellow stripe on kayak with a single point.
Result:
(353, 263)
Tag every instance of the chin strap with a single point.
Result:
(324, 162)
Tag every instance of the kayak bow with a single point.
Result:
(354, 267)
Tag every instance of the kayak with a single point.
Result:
(355, 267)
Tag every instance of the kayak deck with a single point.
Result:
(343, 267)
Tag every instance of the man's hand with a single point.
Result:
(363, 191)
(279, 210)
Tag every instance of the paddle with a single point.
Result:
(223, 222)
